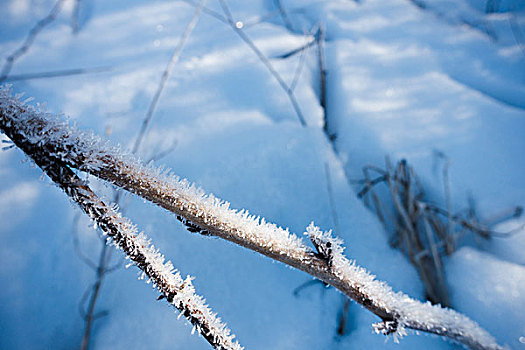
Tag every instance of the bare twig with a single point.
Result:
(264, 60)
(95, 290)
(208, 11)
(58, 143)
(320, 38)
(492, 6)
(165, 75)
(163, 153)
(307, 284)
(297, 50)
(298, 69)
(331, 198)
(75, 17)
(516, 31)
(342, 322)
(284, 15)
(252, 22)
(57, 73)
(450, 240)
(76, 244)
(10, 60)
(479, 26)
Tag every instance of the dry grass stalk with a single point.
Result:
(422, 230)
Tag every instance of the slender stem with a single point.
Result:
(264, 60)
(57, 73)
(31, 36)
(93, 298)
(166, 74)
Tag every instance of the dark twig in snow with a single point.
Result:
(450, 240)
(307, 284)
(252, 22)
(320, 38)
(75, 15)
(57, 73)
(299, 68)
(284, 15)
(297, 50)
(89, 315)
(516, 31)
(10, 60)
(58, 147)
(76, 244)
(331, 197)
(166, 74)
(94, 291)
(208, 11)
(479, 26)
(238, 30)
(492, 6)
(163, 153)
(342, 322)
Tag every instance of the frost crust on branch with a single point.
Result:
(64, 144)
(138, 248)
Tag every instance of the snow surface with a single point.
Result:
(401, 81)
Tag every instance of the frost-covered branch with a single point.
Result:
(63, 144)
(179, 292)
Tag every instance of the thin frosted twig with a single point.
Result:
(31, 36)
(59, 142)
(166, 74)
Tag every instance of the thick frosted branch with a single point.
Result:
(179, 292)
(204, 213)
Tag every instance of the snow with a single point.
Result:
(401, 80)
(491, 291)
